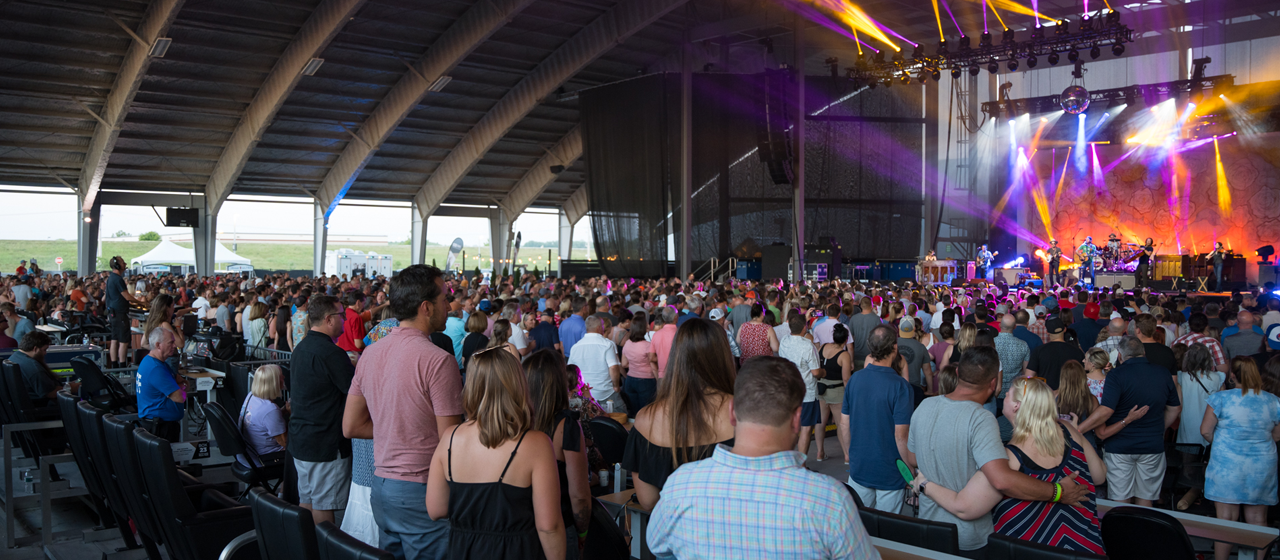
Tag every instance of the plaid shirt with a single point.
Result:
(1219, 357)
(730, 506)
(1110, 345)
(1039, 330)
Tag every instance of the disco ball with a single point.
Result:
(1074, 99)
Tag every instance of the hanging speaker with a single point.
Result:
(772, 137)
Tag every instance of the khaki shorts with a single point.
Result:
(834, 395)
(1134, 476)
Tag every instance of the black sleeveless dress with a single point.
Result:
(491, 519)
(835, 373)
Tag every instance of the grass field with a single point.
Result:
(281, 256)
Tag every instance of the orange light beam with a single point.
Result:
(1061, 180)
(938, 16)
(1224, 193)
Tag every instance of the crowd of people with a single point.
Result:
(1006, 406)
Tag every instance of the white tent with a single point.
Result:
(167, 252)
(224, 255)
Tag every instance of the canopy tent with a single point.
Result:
(168, 252)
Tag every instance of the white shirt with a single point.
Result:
(801, 352)
(823, 331)
(782, 331)
(202, 307)
(517, 338)
(594, 355)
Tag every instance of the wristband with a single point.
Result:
(1057, 492)
(582, 535)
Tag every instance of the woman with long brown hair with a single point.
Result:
(690, 414)
(497, 507)
(549, 396)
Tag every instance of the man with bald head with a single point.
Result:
(1247, 342)
(1116, 329)
(1013, 357)
(597, 360)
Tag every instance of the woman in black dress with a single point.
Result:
(549, 395)
(476, 340)
(498, 506)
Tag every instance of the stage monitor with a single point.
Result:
(182, 217)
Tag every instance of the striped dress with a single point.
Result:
(1072, 528)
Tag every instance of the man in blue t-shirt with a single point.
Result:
(160, 397)
(879, 402)
(1139, 402)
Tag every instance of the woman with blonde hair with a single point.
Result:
(966, 337)
(1045, 448)
(498, 506)
(261, 422)
(1243, 425)
(1096, 363)
(256, 333)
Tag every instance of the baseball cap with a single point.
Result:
(1091, 310)
(716, 314)
(485, 306)
(1050, 303)
(907, 324)
(1273, 337)
(1054, 326)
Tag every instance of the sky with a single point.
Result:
(42, 216)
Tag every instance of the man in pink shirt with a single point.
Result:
(405, 394)
(663, 338)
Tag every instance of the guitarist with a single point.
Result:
(1055, 261)
(983, 264)
(1085, 254)
(1215, 259)
(1143, 273)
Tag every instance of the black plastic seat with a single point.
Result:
(337, 545)
(610, 438)
(191, 531)
(1131, 532)
(89, 421)
(226, 432)
(67, 404)
(291, 529)
(102, 390)
(1001, 547)
(933, 535)
(19, 408)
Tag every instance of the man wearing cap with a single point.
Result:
(1087, 327)
(1084, 256)
(1055, 260)
(1046, 361)
(22, 269)
(545, 334)
(21, 293)
(719, 317)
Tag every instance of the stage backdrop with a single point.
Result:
(863, 179)
(1173, 199)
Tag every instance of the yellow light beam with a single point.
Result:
(938, 16)
(857, 41)
(1061, 180)
(991, 4)
(1224, 193)
(1011, 6)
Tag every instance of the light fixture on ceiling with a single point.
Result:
(160, 47)
(557, 169)
(440, 83)
(312, 66)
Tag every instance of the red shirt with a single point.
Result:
(352, 330)
(21, 270)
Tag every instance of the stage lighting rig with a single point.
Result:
(958, 54)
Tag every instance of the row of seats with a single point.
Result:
(133, 472)
(1127, 533)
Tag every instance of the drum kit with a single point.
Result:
(1118, 257)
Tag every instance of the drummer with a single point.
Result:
(1113, 245)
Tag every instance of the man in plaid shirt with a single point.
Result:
(1197, 323)
(756, 499)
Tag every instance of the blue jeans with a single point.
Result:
(640, 392)
(400, 508)
(1217, 272)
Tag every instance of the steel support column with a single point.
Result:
(797, 211)
(417, 236)
(87, 239)
(319, 240)
(499, 238)
(566, 236)
(204, 237)
(683, 234)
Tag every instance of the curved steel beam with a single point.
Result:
(320, 28)
(578, 204)
(530, 187)
(155, 22)
(594, 40)
(467, 33)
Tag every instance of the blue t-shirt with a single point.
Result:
(154, 384)
(876, 400)
(1138, 382)
(571, 331)
(545, 335)
(23, 327)
(1086, 332)
(1032, 339)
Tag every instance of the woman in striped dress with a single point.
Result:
(1045, 448)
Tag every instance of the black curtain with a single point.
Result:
(631, 142)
